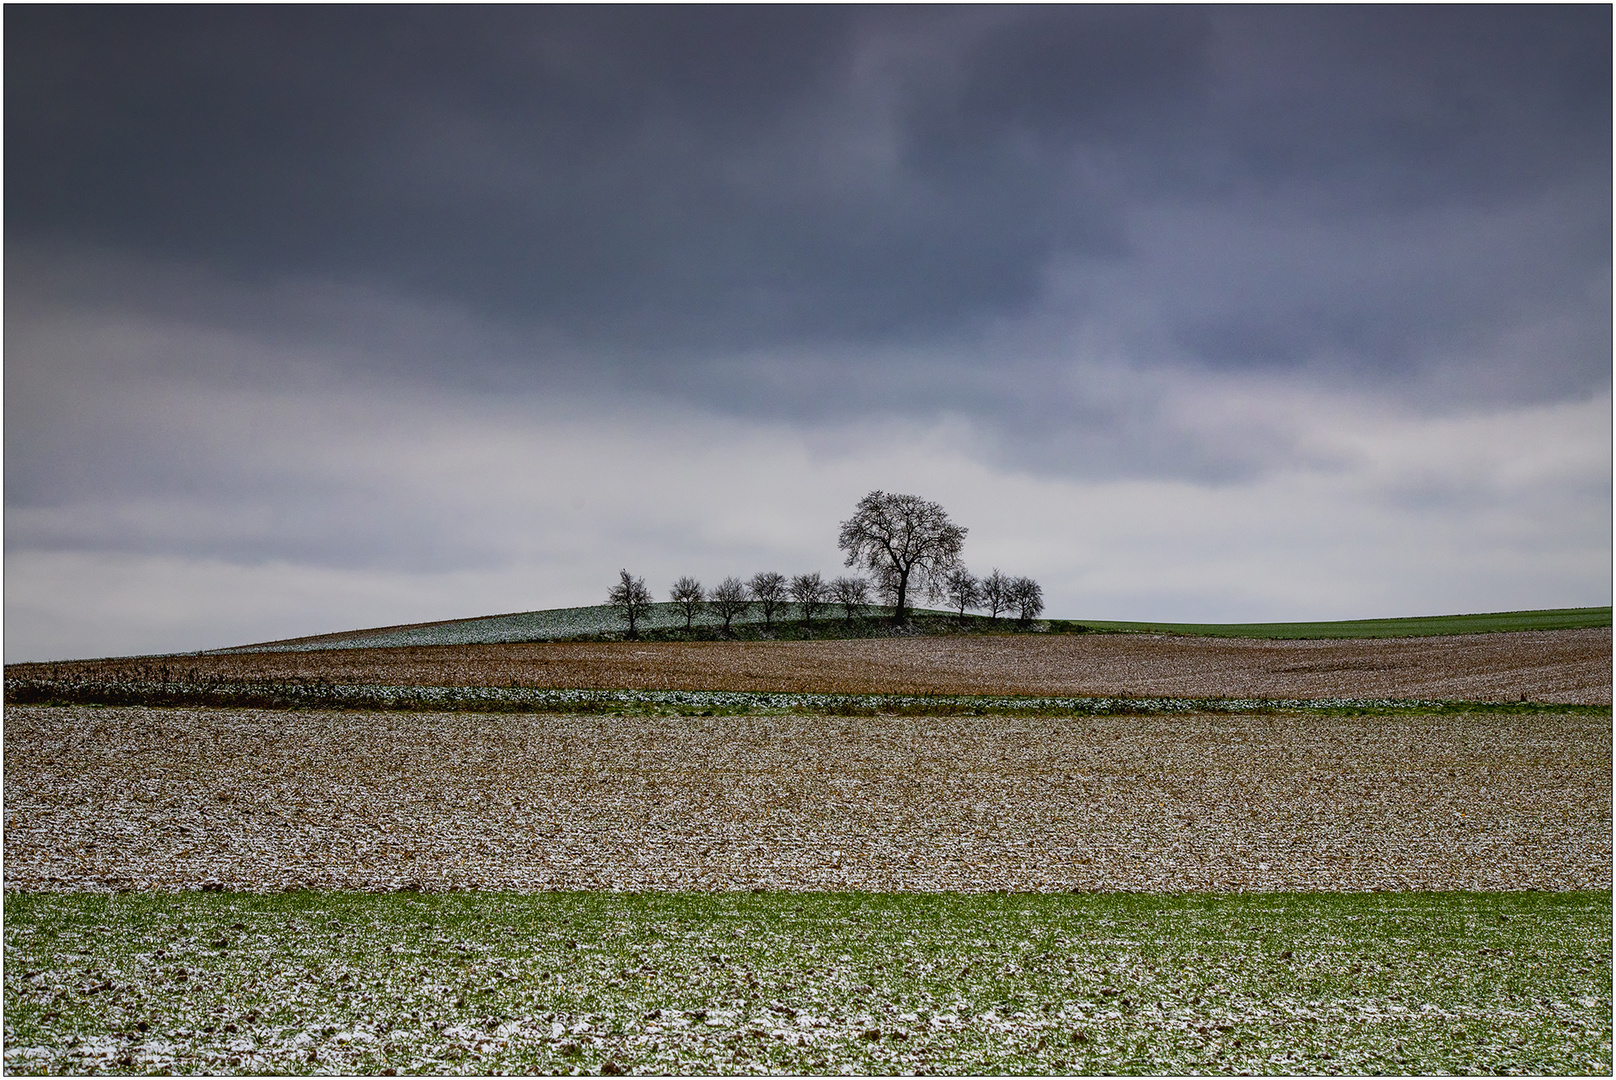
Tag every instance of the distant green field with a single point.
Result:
(1420, 626)
(808, 983)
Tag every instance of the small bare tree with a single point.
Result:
(728, 599)
(769, 590)
(631, 599)
(808, 590)
(853, 593)
(898, 537)
(1027, 598)
(687, 596)
(962, 591)
(994, 593)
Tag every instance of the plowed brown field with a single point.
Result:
(112, 798)
(179, 798)
(1561, 666)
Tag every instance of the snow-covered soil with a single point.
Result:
(139, 798)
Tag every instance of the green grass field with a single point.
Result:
(1421, 626)
(808, 983)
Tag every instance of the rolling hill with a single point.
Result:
(665, 621)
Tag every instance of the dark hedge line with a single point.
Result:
(316, 693)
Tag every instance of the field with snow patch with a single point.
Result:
(599, 621)
(809, 983)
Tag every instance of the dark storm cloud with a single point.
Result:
(368, 314)
(577, 166)
(672, 182)
(1418, 104)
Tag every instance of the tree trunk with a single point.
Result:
(903, 590)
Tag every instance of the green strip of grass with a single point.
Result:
(1421, 626)
(808, 983)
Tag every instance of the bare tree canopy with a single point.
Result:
(994, 593)
(852, 593)
(630, 597)
(769, 590)
(962, 590)
(728, 599)
(1026, 596)
(687, 596)
(808, 590)
(899, 537)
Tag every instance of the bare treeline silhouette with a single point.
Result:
(907, 545)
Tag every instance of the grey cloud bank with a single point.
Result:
(322, 317)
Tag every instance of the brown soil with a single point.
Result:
(1560, 666)
(166, 799)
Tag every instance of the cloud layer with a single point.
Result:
(324, 317)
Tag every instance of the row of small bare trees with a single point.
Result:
(770, 592)
(906, 542)
(995, 593)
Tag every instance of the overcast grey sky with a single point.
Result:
(327, 317)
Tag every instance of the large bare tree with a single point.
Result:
(903, 540)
